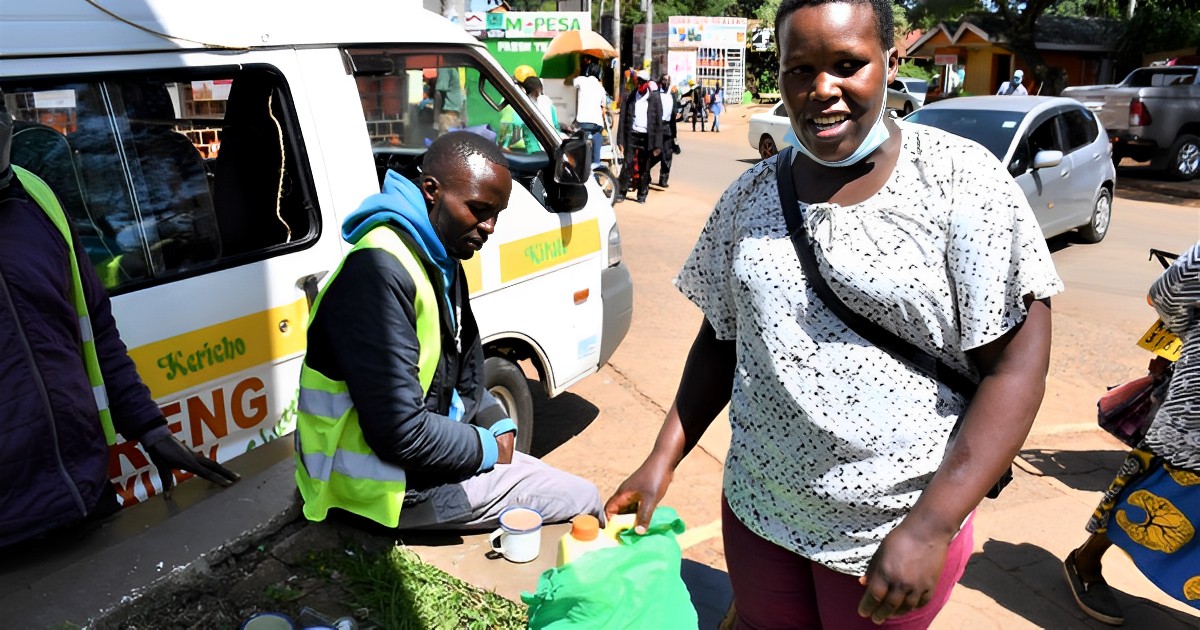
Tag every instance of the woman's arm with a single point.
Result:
(704, 389)
(904, 571)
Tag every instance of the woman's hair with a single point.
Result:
(884, 23)
(591, 69)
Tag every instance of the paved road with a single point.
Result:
(610, 419)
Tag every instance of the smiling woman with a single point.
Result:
(853, 471)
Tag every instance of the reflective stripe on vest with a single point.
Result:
(334, 466)
(45, 198)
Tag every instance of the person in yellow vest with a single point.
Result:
(392, 412)
(68, 383)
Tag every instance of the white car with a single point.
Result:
(1054, 147)
(901, 100)
(767, 130)
(917, 87)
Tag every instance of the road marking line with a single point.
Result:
(697, 535)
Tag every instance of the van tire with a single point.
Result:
(507, 383)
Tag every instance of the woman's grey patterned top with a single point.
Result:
(834, 439)
(1175, 432)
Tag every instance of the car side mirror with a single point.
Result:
(572, 161)
(1047, 159)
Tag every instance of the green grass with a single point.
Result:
(401, 592)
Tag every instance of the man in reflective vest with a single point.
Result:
(68, 383)
(392, 411)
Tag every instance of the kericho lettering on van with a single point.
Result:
(179, 364)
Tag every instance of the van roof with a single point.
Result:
(79, 27)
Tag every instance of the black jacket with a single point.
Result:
(654, 122)
(365, 334)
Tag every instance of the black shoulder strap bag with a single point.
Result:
(921, 360)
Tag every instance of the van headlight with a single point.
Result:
(614, 246)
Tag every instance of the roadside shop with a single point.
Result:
(707, 49)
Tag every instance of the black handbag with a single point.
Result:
(916, 357)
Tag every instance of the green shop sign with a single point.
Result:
(536, 24)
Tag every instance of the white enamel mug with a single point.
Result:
(519, 538)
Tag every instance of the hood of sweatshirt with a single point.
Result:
(402, 204)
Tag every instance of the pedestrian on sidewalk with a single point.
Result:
(670, 143)
(392, 410)
(716, 106)
(590, 102)
(852, 472)
(640, 136)
(69, 384)
(1152, 509)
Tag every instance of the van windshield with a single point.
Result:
(410, 98)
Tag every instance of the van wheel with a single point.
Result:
(607, 181)
(1097, 227)
(508, 385)
(1184, 158)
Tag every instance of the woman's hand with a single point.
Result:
(903, 574)
(643, 490)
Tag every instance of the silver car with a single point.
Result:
(1054, 147)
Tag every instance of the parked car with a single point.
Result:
(1153, 115)
(767, 130)
(917, 87)
(1055, 148)
(901, 100)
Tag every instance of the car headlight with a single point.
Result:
(614, 246)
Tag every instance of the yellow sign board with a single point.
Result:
(550, 249)
(1162, 342)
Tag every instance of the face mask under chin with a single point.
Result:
(875, 138)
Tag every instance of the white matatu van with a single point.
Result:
(207, 153)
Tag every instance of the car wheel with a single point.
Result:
(908, 109)
(607, 181)
(1097, 227)
(507, 384)
(766, 146)
(1185, 158)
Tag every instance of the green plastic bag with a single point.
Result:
(635, 585)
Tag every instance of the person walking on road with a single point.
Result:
(670, 143)
(69, 385)
(853, 471)
(699, 104)
(1152, 509)
(716, 106)
(640, 136)
(392, 411)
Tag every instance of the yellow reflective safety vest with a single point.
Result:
(334, 466)
(45, 198)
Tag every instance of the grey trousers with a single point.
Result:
(476, 502)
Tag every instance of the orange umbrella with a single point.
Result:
(581, 42)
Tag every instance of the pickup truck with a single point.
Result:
(1153, 115)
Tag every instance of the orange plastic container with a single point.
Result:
(587, 535)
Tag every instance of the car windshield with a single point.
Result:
(994, 130)
(916, 86)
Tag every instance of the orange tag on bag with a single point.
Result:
(1162, 342)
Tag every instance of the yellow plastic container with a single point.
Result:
(587, 535)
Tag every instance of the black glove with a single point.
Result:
(168, 454)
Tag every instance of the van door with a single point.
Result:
(187, 180)
(535, 287)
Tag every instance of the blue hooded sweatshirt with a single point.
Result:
(402, 204)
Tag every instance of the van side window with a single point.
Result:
(168, 176)
(410, 98)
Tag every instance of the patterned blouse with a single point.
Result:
(834, 439)
(1175, 433)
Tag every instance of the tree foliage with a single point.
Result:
(1159, 26)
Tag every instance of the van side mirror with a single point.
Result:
(1047, 159)
(572, 161)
